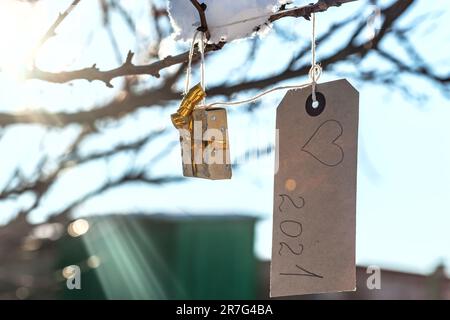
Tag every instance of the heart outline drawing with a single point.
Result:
(332, 142)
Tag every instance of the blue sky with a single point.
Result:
(403, 172)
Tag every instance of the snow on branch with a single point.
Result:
(129, 69)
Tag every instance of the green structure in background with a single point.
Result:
(163, 257)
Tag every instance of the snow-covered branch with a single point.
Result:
(129, 69)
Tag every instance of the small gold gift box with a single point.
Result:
(203, 138)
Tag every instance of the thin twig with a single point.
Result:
(51, 32)
(153, 69)
(201, 12)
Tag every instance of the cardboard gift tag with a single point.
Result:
(314, 219)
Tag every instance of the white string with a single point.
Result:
(316, 70)
(314, 75)
(257, 97)
(202, 62)
(189, 66)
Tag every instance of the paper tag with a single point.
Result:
(314, 219)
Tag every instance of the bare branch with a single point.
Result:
(153, 69)
(306, 11)
(51, 32)
(161, 96)
(128, 178)
(127, 69)
(124, 104)
(43, 182)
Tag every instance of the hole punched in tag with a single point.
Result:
(315, 108)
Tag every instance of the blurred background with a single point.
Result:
(90, 166)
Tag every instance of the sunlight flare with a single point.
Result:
(21, 26)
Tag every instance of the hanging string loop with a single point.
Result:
(314, 72)
(316, 69)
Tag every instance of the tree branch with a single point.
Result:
(154, 69)
(41, 185)
(115, 109)
(160, 96)
(306, 11)
(51, 32)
